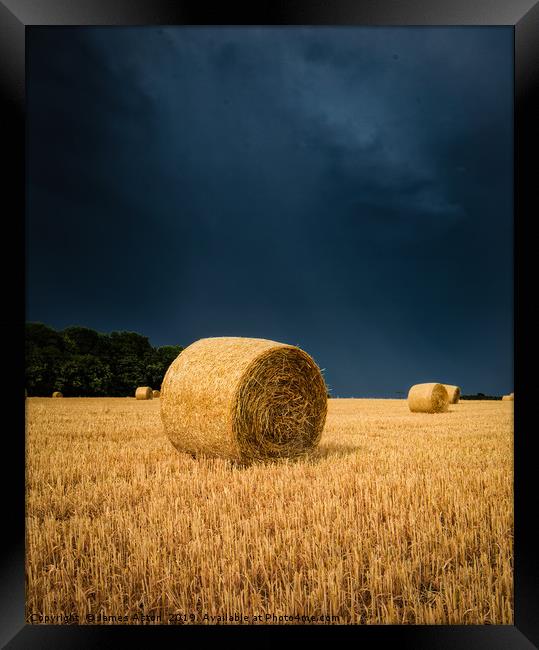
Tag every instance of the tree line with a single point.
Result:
(80, 362)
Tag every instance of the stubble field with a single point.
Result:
(396, 518)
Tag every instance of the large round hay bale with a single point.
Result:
(508, 398)
(243, 399)
(57, 393)
(453, 393)
(428, 398)
(143, 392)
(156, 394)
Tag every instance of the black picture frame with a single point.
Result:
(16, 17)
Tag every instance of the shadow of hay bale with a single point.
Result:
(332, 450)
(320, 453)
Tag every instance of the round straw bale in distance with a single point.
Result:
(57, 393)
(453, 392)
(156, 393)
(428, 398)
(144, 392)
(243, 399)
(508, 398)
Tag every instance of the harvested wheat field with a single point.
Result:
(396, 517)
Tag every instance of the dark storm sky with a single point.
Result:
(348, 190)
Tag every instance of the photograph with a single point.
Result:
(269, 337)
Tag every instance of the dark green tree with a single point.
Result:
(45, 354)
(130, 355)
(161, 359)
(82, 362)
(83, 340)
(84, 375)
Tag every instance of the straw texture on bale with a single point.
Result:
(156, 393)
(144, 392)
(428, 398)
(453, 393)
(243, 399)
(508, 398)
(57, 393)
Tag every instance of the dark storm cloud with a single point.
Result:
(345, 189)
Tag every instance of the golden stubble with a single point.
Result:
(396, 517)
